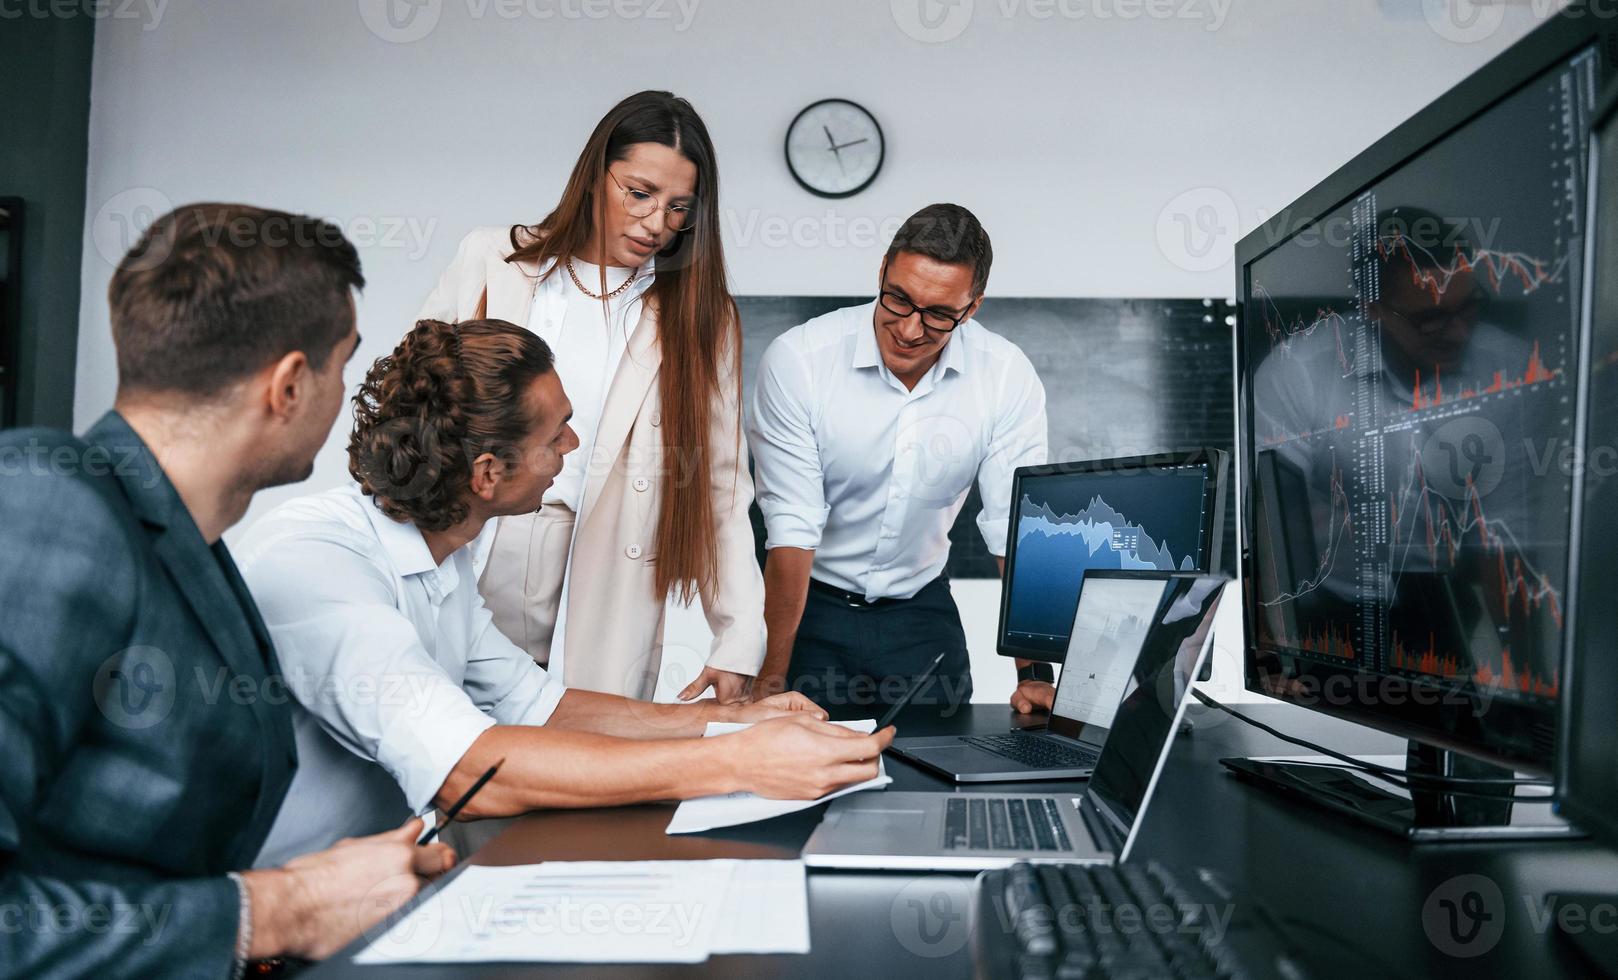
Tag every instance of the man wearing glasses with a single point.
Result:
(867, 426)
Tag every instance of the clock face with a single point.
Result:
(834, 148)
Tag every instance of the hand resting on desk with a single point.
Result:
(1032, 696)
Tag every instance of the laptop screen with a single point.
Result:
(1153, 699)
(1110, 625)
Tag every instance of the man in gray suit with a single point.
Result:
(147, 736)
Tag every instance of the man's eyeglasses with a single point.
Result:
(639, 204)
(942, 321)
(1432, 321)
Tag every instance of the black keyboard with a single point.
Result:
(1085, 922)
(998, 824)
(1033, 751)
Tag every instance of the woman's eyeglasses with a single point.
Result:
(639, 204)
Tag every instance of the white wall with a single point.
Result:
(1087, 134)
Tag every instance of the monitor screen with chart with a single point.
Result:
(1408, 349)
(1162, 513)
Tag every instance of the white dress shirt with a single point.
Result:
(392, 662)
(588, 347)
(871, 475)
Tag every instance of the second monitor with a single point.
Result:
(1163, 512)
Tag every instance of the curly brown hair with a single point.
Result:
(447, 394)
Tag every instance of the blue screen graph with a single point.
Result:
(1066, 523)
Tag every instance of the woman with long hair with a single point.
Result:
(625, 279)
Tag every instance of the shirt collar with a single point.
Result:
(954, 356)
(865, 350)
(406, 549)
(866, 353)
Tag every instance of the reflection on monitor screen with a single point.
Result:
(1065, 523)
(1150, 703)
(1410, 357)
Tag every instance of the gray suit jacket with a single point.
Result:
(147, 739)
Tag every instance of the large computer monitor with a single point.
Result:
(1161, 512)
(1408, 344)
(1587, 757)
(1587, 771)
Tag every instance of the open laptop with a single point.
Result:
(1114, 610)
(973, 831)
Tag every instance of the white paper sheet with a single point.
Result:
(766, 909)
(733, 809)
(605, 912)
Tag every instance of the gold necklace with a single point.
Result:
(585, 290)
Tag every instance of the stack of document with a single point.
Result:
(710, 812)
(604, 912)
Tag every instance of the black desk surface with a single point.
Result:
(1361, 902)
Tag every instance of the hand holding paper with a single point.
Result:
(800, 758)
(796, 757)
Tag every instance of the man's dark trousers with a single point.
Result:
(855, 659)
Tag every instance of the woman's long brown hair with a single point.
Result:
(697, 323)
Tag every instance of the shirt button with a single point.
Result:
(642, 484)
(633, 551)
(657, 418)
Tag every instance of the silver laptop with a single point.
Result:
(972, 831)
(1109, 626)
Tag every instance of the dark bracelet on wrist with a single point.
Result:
(1036, 672)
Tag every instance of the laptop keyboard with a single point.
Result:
(1032, 824)
(1033, 751)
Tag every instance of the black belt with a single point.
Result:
(855, 599)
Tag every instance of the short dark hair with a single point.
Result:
(946, 233)
(213, 292)
(448, 393)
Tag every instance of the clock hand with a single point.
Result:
(836, 151)
(862, 139)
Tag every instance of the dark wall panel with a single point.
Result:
(1122, 377)
(44, 134)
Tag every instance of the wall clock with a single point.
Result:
(834, 148)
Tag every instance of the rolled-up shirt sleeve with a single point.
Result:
(786, 457)
(503, 680)
(358, 665)
(1020, 438)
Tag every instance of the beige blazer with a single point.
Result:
(614, 616)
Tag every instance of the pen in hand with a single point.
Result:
(893, 712)
(460, 804)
